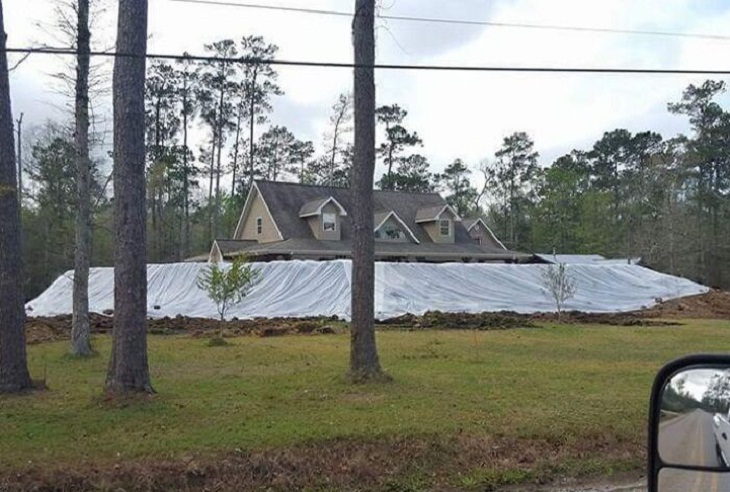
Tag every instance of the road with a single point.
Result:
(689, 440)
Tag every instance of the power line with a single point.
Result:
(464, 22)
(380, 66)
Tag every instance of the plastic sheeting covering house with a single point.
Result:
(322, 288)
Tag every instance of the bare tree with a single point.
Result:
(80, 336)
(340, 121)
(364, 361)
(560, 285)
(13, 363)
(128, 367)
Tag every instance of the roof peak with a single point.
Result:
(309, 185)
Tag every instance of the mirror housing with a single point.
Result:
(686, 426)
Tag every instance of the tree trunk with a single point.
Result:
(186, 178)
(236, 144)
(210, 186)
(251, 123)
(20, 160)
(220, 123)
(128, 367)
(364, 361)
(13, 363)
(80, 337)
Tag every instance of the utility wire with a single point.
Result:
(465, 22)
(381, 66)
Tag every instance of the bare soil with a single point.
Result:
(713, 305)
(393, 464)
(55, 328)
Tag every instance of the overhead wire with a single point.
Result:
(379, 66)
(465, 22)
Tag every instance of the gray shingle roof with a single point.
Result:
(286, 199)
(379, 217)
(429, 213)
(315, 247)
(233, 245)
(468, 222)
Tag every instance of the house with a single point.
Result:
(282, 221)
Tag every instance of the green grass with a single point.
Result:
(562, 384)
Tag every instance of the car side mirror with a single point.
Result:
(689, 424)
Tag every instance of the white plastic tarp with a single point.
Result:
(311, 288)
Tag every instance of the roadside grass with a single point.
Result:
(581, 392)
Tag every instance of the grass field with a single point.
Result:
(579, 393)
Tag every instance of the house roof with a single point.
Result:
(314, 207)
(429, 214)
(470, 222)
(315, 247)
(285, 200)
(232, 245)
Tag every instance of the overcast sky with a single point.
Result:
(457, 114)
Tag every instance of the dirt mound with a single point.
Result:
(49, 329)
(461, 321)
(713, 305)
(507, 320)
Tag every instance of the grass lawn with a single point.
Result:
(578, 391)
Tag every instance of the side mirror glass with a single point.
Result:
(689, 425)
(694, 429)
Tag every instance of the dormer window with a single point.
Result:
(445, 227)
(329, 222)
(390, 232)
(259, 225)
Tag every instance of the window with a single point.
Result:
(259, 225)
(391, 232)
(329, 222)
(478, 240)
(445, 227)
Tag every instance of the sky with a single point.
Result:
(457, 114)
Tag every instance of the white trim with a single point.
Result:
(438, 215)
(334, 229)
(479, 220)
(343, 212)
(214, 249)
(400, 221)
(450, 226)
(245, 211)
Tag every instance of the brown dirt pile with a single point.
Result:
(713, 305)
(342, 464)
(48, 329)
(461, 321)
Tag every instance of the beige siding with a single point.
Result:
(482, 235)
(249, 230)
(315, 223)
(434, 229)
(215, 254)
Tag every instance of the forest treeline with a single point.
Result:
(209, 133)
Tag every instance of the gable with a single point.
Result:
(479, 229)
(256, 209)
(390, 227)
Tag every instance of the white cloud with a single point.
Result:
(457, 114)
